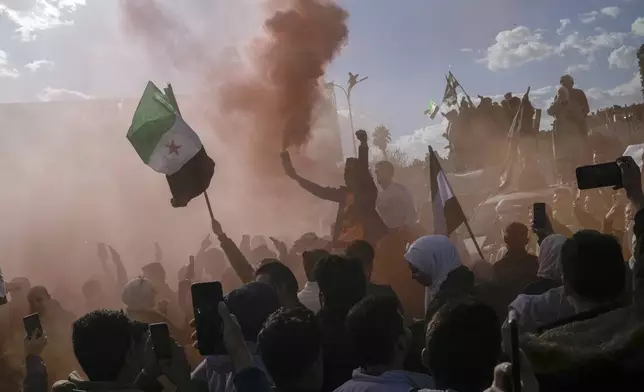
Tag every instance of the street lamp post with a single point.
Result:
(353, 81)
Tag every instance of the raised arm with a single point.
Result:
(121, 273)
(326, 193)
(236, 258)
(366, 184)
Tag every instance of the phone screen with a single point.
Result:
(205, 300)
(539, 218)
(32, 324)
(599, 176)
(160, 335)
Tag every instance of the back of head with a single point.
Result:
(279, 276)
(593, 266)
(463, 345)
(154, 271)
(252, 304)
(102, 340)
(375, 326)
(516, 235)
(38, 292)
(290, 345)
(139, 294)
(310, 260)
(342, 281)
(363, 252)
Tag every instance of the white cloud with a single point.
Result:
(613, 12)
(467, 50)
(5, 70)
(588, 17)
(563, 23)
(37, 64)
(623, 94)
(415, 145)
(40, 15)
(60, 94)
(516, 47)
(631, 88)
(623, 57)
(638, 26)
(588, 46)
(577, 68)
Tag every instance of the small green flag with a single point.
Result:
(432, 109)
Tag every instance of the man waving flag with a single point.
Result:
(168, 145)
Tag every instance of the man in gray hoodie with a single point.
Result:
(381, 341)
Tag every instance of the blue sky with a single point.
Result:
(61, 49)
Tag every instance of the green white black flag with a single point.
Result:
(167, 144)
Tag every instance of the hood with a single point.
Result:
(611, 339)
(394, 377)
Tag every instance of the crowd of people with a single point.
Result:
(382, 304)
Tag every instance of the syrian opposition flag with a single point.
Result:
(432, 110)
(168, 145)
(447, 211)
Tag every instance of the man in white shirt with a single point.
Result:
(395, 203)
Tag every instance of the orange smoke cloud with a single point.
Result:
(282, 92)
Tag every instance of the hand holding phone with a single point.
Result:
(599, 176)
(539, 217)
(33, 327)
(208, 323)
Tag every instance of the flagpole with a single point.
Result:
(212, 216)
(467, 223)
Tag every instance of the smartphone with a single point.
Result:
(599, 176)
(205, 300)
(32, 324)
(515, 354)
(161, 341)
(539, 218)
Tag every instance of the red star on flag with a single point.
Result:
(173, 148)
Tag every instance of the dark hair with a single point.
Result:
(279, 276)
(91, 286)
(361, 251)
(310, 260)
(37, 290)
(341, 280)
(252, 304)
(290, 343)
(374, 325)
(517, 230)
(101, 340)
(463, 345)
(386, 165)
(593, 265)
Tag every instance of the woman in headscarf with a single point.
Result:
(435, 263)
(549, 273)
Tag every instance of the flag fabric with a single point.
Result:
(450, 97)
(167, 144)
(513, 137)
(432, 109)
(447, 211)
